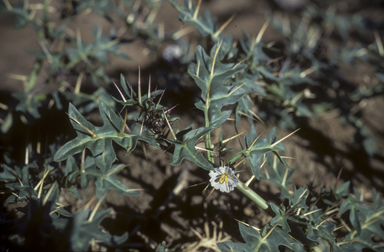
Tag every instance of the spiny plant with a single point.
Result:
(307, 219)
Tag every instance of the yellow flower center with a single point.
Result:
(224, 176)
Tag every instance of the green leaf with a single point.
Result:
(356, 207)
(99, 139)
(254, 153)
(73, 190)
(71, 170)
(207, 80)
(27, 104)
(185, 147)
(280, 218)
(88, 102)
(299, 198)
(99, 49)
(7, 123)
(365, 218)
(211, 81)
(17, 182)
(278, 174)
(23, 15)
(323, 233)
(109, 181)
(80, 231)
(255, 242)
(342, 191)
(204, 26)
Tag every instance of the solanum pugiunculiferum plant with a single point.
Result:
(228, 77)
(298, 225)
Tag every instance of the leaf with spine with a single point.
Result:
(53, 196)
(185, 147)
(254, 52)
(355, 207)
(86, 174)
(100, 144)
(205, 26)
(227, 49)
(23, 15)
(243, 104)
(35, 226)
(88, 102)
(254, 153)
(250, 83)
(213, 92)
(281, 218)
(71, 170)
(101, 7)
(299, 198)
(255, 242)
(208, 82)
(109, 181)
(371, 226)
(365, 218)
(7, 123)
(341, 191)
(324, 233)
(133, 99)
(80, 231)
(103, 183)
(17, 181)
(99, 49)
(278, 174)
(27, 104)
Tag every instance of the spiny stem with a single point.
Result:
(78, 83)
(149, 87)
(254, 141)
(215, 56)
(197, 10)
(284, 138)
(229, 139)
(57, 209)
(161, 96)
(256, 116)
(234, 90)
(88, 130)
(139, 91)
(96, 207)
(198, 68)
(253, 176)
(124, 123)
(270, 231)
(7, 5)
(325, 220)
(379, 43)
(49, 192)
(121, 94)
(261, 33)
(223, 26)
(169, 125)
(117, 170)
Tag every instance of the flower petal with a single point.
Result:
(229, 174)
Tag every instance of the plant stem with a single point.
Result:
(253, 196)
(208, 143)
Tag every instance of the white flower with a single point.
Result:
(223, 178)
(172, 52)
